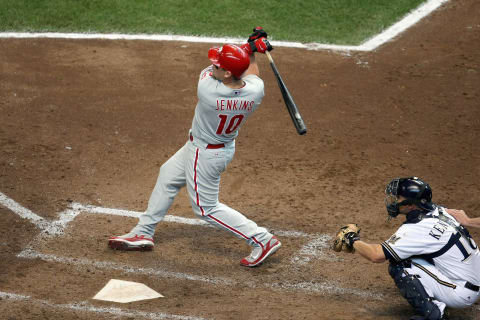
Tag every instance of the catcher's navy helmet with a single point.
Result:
(414, 190)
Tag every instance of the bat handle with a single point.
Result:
(269, 56)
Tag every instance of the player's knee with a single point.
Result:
(413, 290)
(165, 183)
(163, 173)
(395, 270)
(202, 211)
(197, 210)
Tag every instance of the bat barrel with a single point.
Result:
(288, 99)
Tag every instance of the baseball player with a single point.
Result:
(433, 259)
(229, 91)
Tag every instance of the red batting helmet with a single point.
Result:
(230, 57)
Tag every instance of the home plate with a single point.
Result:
(126, 291)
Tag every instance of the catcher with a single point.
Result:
(433, 259)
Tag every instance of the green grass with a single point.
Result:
(326, 21)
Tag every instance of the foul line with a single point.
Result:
(371, 44)
(85, 306)
(20, 210)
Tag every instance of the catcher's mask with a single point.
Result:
(414, 190)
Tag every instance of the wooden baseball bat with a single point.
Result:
(287, 97)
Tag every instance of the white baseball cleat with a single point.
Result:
(129, 243)
(258, 254)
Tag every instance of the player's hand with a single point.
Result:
(345, 238)
(258, 33)
(350, 239)
(260, 45)
(460, 216)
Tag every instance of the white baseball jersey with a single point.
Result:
(221, 111)
(454, 255)
(445, 259)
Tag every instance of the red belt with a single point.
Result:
(212, 146)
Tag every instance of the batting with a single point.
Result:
(229, 91)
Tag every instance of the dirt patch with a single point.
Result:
(91, 121)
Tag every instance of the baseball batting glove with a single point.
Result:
(258, 32)
(346, 237)
(261, 45)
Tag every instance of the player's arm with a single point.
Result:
(348, 239)
(463, 219)
(257, 42)
(253, 67)
(372, 252)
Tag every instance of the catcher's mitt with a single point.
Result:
(346, 237)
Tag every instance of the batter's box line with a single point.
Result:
(55, 228)
(87, 307)
(315, 248)
(170, 218)
(307, 287)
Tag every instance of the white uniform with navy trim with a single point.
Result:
(443, 259)
(219, 114)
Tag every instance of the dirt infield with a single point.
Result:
(86, 124)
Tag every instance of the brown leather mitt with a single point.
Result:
(346, 237)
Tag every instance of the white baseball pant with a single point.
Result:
(199, 168)
(445, 292)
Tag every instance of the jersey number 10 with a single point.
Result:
(233, 123)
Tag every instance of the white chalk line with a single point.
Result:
(407, 22)
(32, 254)
(20, 210)
(315, 248)
(56, 228)
(169, 218)
(326, 288)
(308, 287)
(369, 45)
(87, 307)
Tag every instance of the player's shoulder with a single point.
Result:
(420, 226)
(252, 78)
(253, 82)
(421, 223)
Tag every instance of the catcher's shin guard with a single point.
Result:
(412, 289)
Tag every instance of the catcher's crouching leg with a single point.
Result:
(412, 289)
